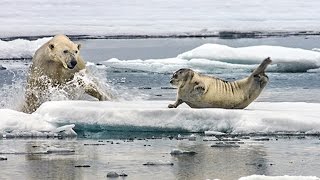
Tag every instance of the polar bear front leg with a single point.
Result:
(94, 91)
(31, 102)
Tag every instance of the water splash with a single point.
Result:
(12, 95)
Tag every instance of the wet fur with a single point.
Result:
(50, 68)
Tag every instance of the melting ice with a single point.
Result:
(266, 117)
(259, 117)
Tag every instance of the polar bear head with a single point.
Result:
(63, 50)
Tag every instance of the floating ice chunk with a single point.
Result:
(285, 177)
(314, 70)
(225, 145)
(316, 49)
(3, 158)
(27, 134)
(112, 174)
(176, 152)
(23, 153)
(229, 139)
(180, 152)
(15, 120)
(192, 137)
(149, 65)
(2, 68)
(85, 165)
(158, 163)
(123, 174)
(213, 133)
(284, 59)
(210, 139)
(66, 131)
(261, 139)
(251, 54)
(244, 137)
(59, 150)
(8, 136)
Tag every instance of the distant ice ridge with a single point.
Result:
(286, 177)
(214, 57)
(20, 48)
(145, 17)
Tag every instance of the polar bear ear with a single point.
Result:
(51, 46)
(79, 46)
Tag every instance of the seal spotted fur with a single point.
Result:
(201, 91)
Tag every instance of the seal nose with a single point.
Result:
(171, 81)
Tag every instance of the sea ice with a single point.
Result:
(53, 149)
(286, 59)
(158, 163)
(180, 152)
(285, 177)
(144, 17)
(263, 117)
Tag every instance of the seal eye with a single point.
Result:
(76, 52)
(65, 51)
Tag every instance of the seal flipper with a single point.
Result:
(176, 104)
(262, 67)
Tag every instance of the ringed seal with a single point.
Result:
(201, 91)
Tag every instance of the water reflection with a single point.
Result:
(282, 157)
(221, 163)
(40, 165)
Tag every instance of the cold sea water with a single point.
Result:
(277, 135)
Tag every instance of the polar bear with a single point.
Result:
(55, 64)
(200, 91)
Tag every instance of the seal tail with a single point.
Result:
(262, 67)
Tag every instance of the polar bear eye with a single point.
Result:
(65, 51)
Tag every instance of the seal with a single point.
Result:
(201, 91)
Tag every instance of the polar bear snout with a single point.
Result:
(72, 63)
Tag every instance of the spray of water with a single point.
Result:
(12, 94)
